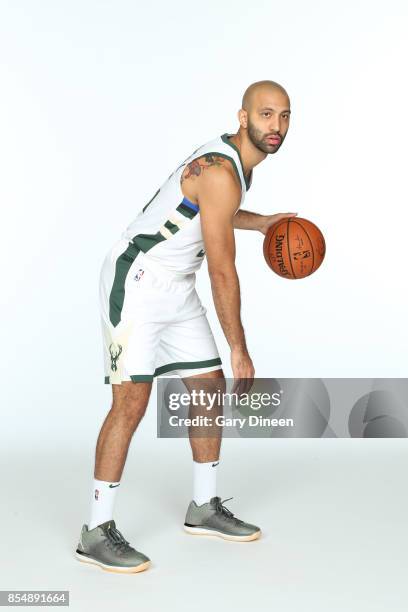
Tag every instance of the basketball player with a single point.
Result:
(154, 323)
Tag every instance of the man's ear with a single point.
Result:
(243, 118)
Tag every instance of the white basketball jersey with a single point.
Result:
(168, 228)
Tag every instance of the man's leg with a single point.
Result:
(206, 514)
(100, 542)
(128, 408)
(205, 448)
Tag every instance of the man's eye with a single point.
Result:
(266, 113)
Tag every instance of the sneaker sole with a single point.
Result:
(225, 536)
(113, 568)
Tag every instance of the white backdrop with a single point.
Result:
(102, 100)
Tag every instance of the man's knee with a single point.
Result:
(131, 399)
(210, 382)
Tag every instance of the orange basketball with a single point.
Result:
(294, 247)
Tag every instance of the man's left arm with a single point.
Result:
(245, 219)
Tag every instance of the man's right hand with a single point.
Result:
(243, 371)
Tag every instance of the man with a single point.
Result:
(154, 323)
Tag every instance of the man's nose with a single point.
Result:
(274, 126)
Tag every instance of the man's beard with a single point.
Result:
(257, 138)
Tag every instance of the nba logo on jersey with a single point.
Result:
(139, 274)
(96, 493)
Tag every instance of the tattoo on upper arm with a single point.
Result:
(197, 166)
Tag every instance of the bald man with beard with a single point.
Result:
(153, 321)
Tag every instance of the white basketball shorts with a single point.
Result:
(153, 321)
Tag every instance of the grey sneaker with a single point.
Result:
(106, 547)
(213, 518)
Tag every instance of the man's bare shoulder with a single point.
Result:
(207, 171)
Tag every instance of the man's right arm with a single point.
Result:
(219, 197)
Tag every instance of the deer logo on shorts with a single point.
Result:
(114, 354)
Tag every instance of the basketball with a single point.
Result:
(294, 247)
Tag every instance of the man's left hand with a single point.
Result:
(268, 220)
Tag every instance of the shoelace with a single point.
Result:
(116, 538)
(224, 511)
(220, 508)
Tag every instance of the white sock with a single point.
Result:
(103, 497)
(204, 481)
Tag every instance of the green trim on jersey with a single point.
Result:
(117, 294)
(144, 242)
(224, 138)
(171, 227)
(140, 242)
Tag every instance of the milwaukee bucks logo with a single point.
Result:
(115, 351)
